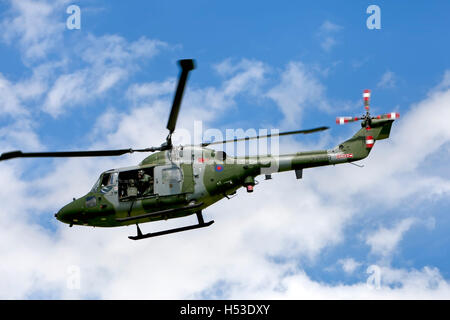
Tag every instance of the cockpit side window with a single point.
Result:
(105, 179)
(106, 182)
(109, 180)
(113, 179)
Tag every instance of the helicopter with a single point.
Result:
(178, 181)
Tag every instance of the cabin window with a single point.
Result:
(137, 183)
(221, 155)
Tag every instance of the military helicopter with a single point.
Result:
(177, 181)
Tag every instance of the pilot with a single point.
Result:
(145, 183)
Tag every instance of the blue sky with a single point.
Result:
(284, 65)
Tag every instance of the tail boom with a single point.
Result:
(356, 148)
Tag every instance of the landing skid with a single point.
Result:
(201, 224)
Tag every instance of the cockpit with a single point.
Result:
(106, 182)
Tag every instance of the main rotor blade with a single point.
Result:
(186, 66)
(64, 154)
(268, 136)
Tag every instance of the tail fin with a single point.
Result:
(361, 143)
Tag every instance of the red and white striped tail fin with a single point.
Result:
(366, 97)
(369, 141)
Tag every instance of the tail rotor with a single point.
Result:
(367, 119)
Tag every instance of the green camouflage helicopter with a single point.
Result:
(180, 181)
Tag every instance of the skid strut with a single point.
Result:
(201, 224)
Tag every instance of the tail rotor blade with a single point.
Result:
(344, 120)
(366, 97)
(392, 116)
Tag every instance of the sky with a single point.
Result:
(342, 232)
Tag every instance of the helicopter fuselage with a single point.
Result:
(185, 180)
(181, 178)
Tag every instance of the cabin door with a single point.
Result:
(168, 180)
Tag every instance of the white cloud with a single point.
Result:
(328, 43)
(384, 241)
(248, 75)
(327, 34)
(113, 50)
(106, 61)
(9, 101)
(18, 99)
(19, 134)
(36, 25)
(358, 63)
(67, 89)
(141, 92)
(225, 67)
(298, 90)
(111, 59)
(349, 265)
(388, 80)
(109, 79)
(328, 26)
(444, 84)
(395, 284)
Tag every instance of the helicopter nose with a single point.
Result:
(64, 215)
(69, 213)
